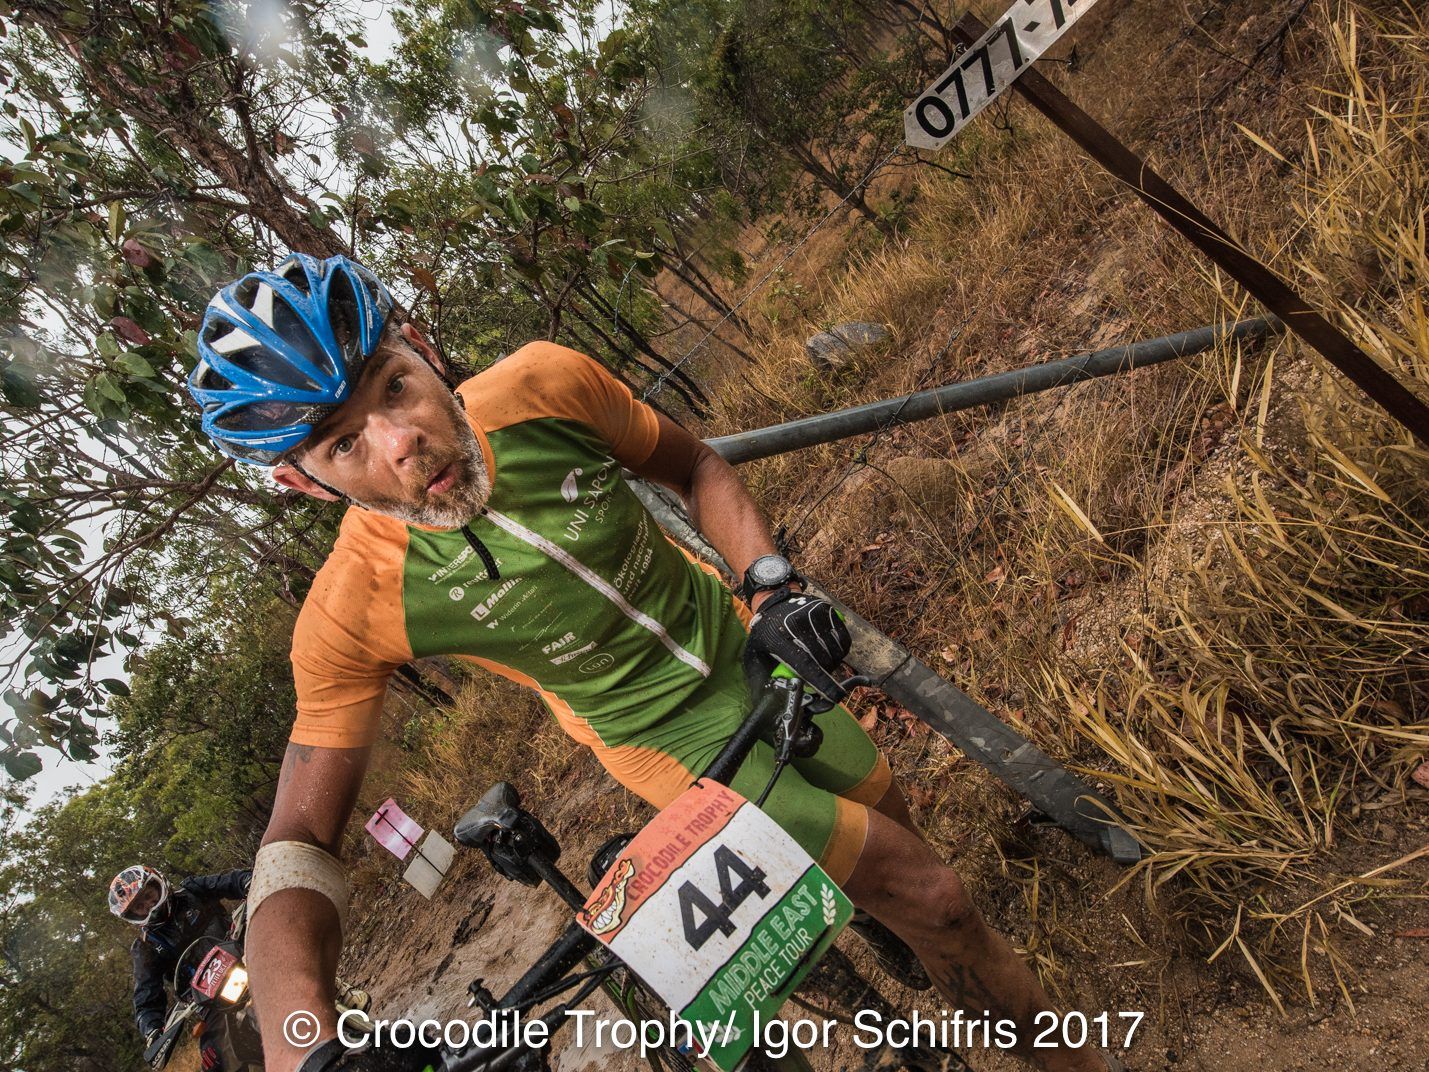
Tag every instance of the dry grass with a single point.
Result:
(1207, 583)
(1279, 680)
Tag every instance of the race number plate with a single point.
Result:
(1028, 29)
(720, 912)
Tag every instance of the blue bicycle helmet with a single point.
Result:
(280, 350)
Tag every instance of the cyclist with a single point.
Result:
(172, 919)
(491, 522)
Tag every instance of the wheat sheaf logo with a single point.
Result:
(831, 907)
(604, 915)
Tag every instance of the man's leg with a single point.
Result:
(895, 805)
(899, 881)
(848, 764)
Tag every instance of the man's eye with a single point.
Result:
(395, 384)
(343, 445)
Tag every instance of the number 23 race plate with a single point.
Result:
(720, 912)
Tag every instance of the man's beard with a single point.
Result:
(460, 503)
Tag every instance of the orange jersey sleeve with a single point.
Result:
(351, 635)
(543, 379)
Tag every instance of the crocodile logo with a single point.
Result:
(604, 916)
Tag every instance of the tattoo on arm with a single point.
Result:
(297, 754)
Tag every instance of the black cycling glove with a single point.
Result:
(804, 633)
(333, 1056)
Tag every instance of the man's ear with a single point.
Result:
(420, 343)
(291, 477)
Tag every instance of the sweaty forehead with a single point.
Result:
(334, 420)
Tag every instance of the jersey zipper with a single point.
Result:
(600, 584)
(483, 552)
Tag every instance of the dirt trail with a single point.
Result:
(419, 957)
(416, 958)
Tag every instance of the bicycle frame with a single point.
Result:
(784, 698)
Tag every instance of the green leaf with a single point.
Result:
(26, 517)
(104, 383)
(19, 388)
(117, 218)
(114, 686)
(82, 751)
(135, 365)
(21, 765)
(104, 300)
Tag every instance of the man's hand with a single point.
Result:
(804, 633)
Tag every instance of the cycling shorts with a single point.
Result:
(821, 801)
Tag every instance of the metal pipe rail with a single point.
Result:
(1058, 793)
(878, 416)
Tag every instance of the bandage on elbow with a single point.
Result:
(285, 865)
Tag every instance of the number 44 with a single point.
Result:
(701, 916)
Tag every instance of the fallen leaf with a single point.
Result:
(1413, 932)
(995, 575)
(1421, 774)
(918, 796)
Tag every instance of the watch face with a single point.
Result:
(769, 570)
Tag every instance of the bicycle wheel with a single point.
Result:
(638, 1002)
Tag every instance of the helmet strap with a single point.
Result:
(326, 487)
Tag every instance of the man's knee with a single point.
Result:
(949, 903)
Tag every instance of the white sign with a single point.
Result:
(429, 866)
(720, 912)
(975, 78)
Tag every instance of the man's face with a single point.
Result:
(401, 445)
(143, 903)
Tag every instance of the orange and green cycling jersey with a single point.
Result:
(634, 646)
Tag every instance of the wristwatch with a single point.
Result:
(767, 572)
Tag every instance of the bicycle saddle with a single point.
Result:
(498, 810)
(508, 834)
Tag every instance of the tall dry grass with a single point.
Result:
(1279, 685)
(1205, 584)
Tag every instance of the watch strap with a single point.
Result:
(747, 587)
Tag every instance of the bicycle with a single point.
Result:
(522, 850)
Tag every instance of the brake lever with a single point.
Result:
(798, 737)
(817, 703)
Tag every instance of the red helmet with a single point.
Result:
(138, 893)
